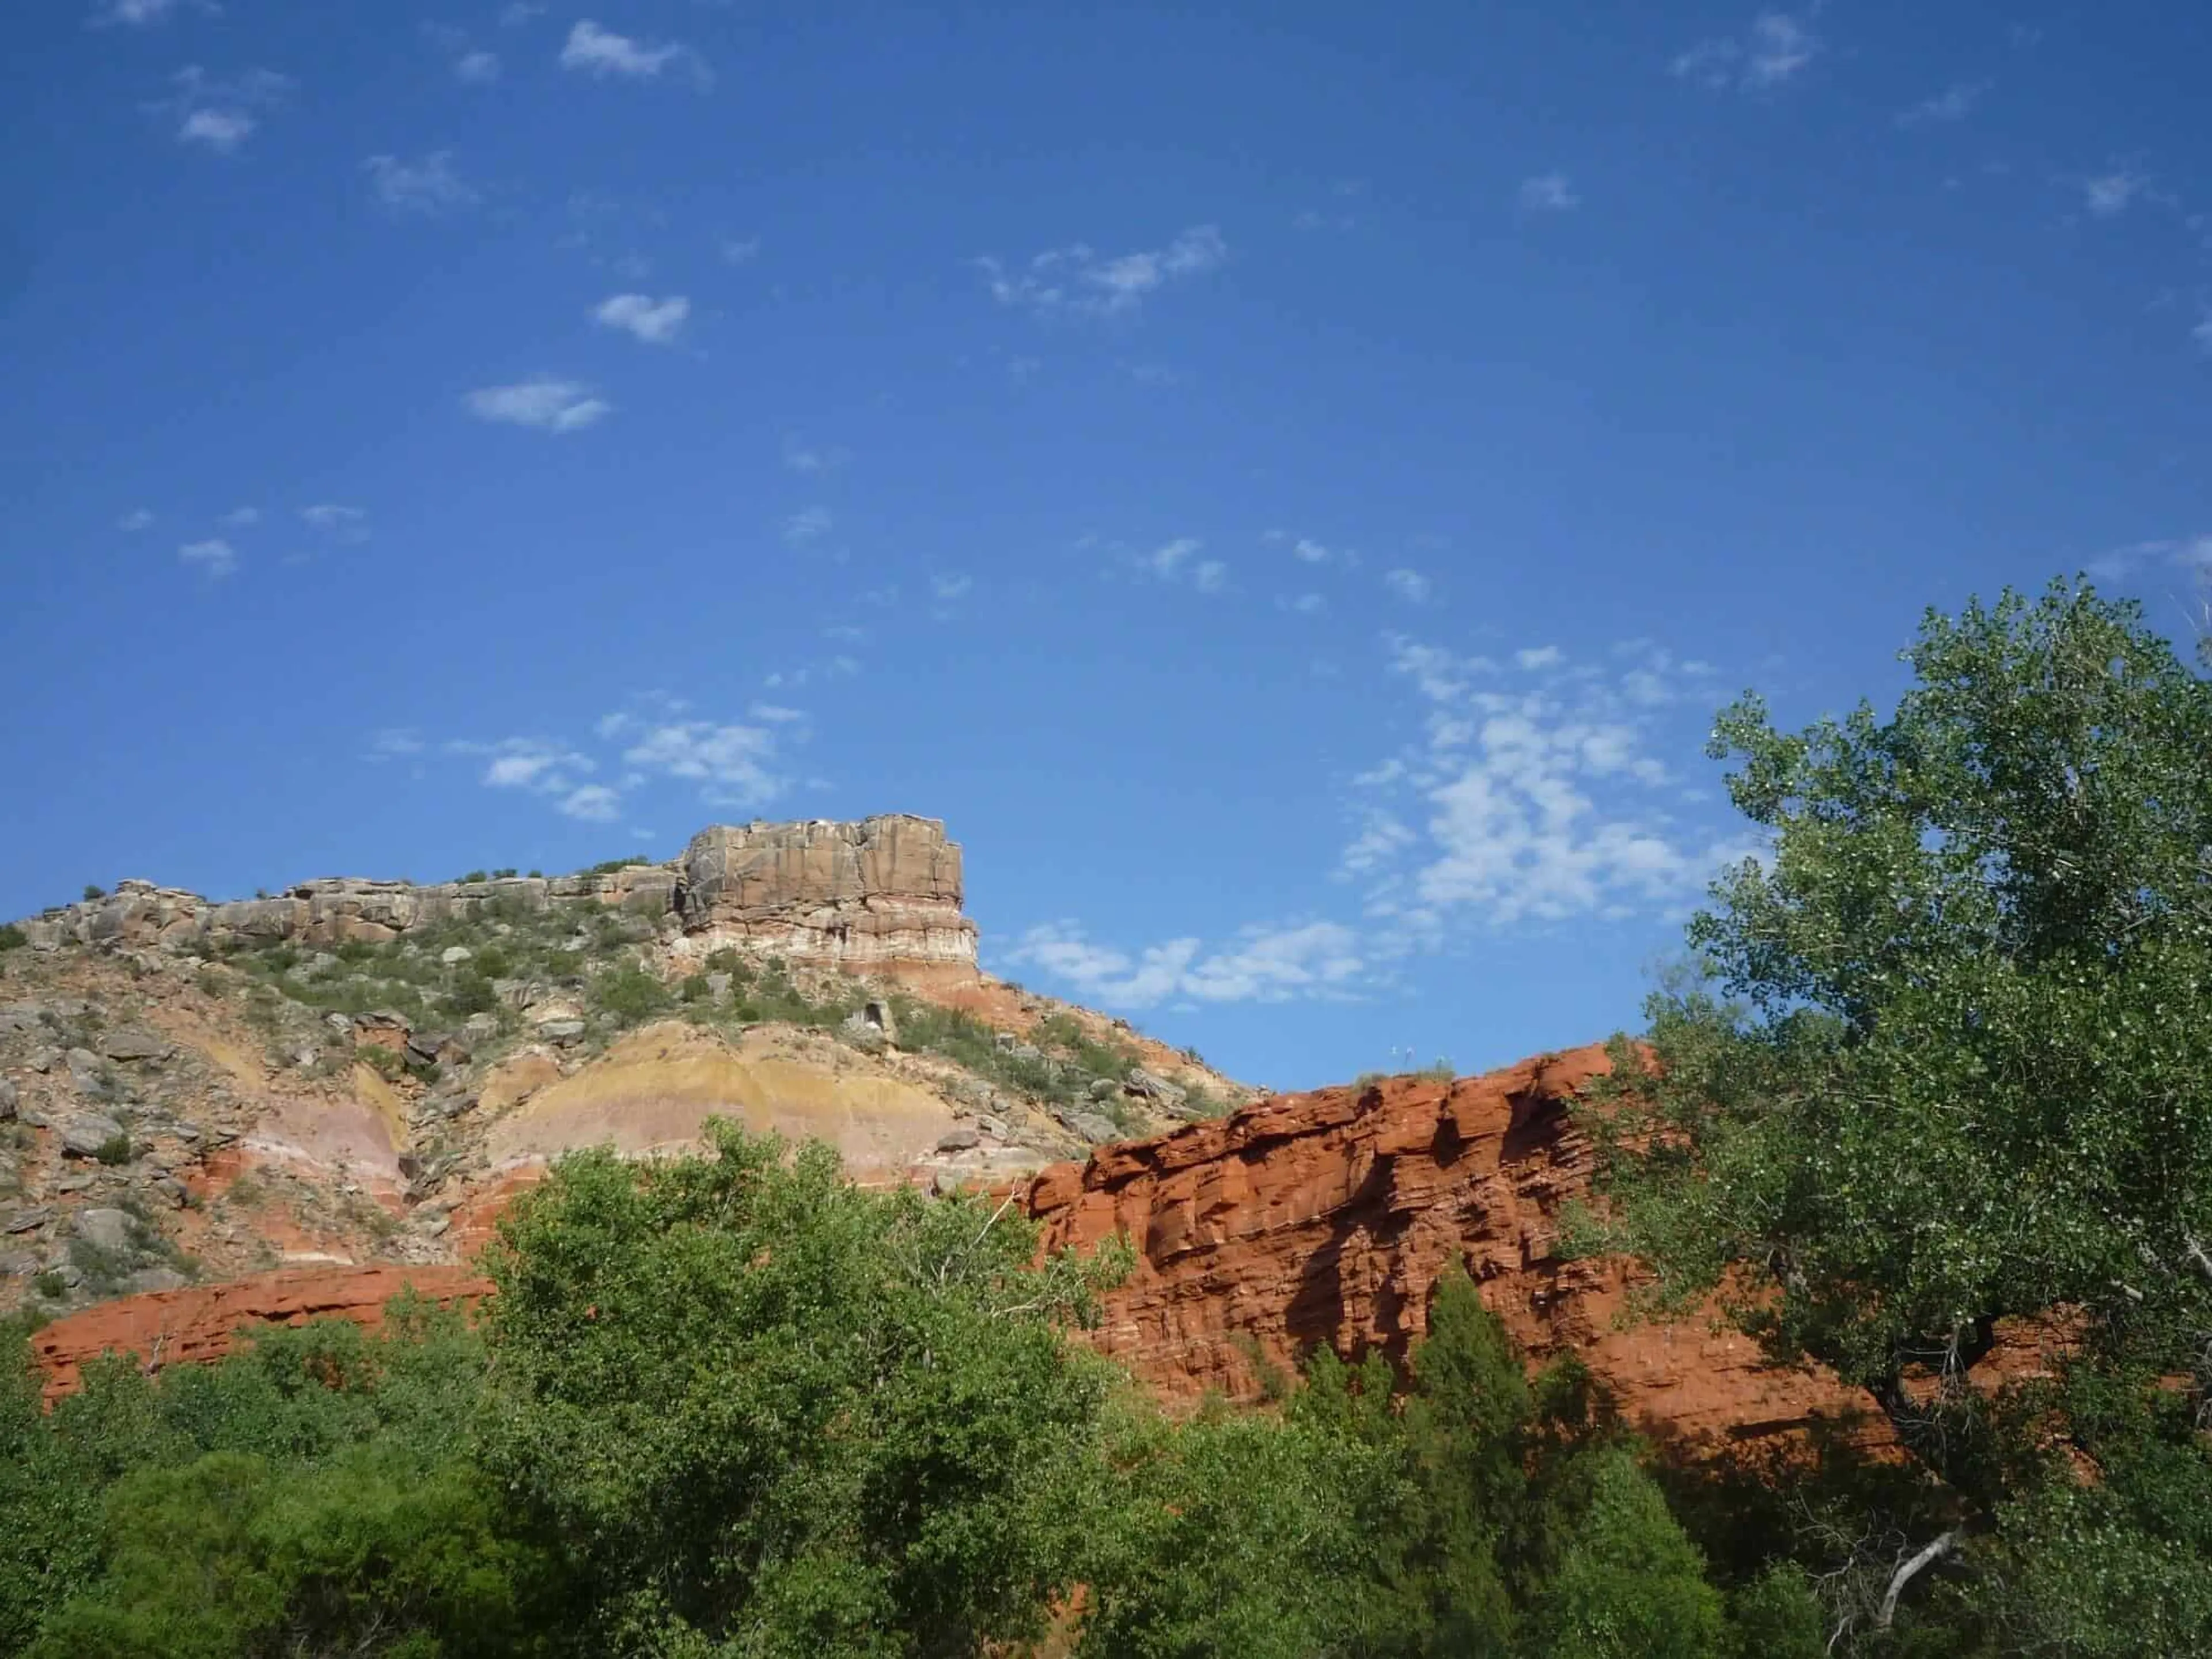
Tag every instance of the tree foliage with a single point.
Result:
(1945, 1063)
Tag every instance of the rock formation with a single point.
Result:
(1326, 1219)
(881, 896)
(1303, 1219)
(195, 1326)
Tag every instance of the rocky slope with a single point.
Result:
(1297, 1221)
(359, 1071)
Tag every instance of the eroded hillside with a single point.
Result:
(356, 1072)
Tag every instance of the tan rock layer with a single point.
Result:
(1327, 1218)
(882, 894)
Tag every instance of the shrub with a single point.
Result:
(383, 1062)
(474, 876)
(471, 994)
(116, 1149)
(630, 996)
(94, 892)
(12, 938)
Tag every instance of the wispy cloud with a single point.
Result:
(138, 518)
(1543, 800)
(392, 743)
(1773, 51)
(348, 525)
(2188, 552)
(813, 459)
(428, 187)
(1263, 963)
(808, 524)
(2109, 195)
(547, 405)
(1409, 585)
(740, 250)
(1079, 280)
(142, 14)
(656, 322)
(1954, 103)
(948, 587)
(220, 112)
(1548, 192)
(1177, 561)
(604, 54)
(242, 518)
(734, 765)
(477, 68)
(214, 558)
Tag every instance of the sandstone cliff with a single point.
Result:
(1325, 1218)
(881, 895)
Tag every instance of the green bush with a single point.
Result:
(116, 1149)
(93, 892)
(630, 996)
(387, 1063)
(12, 938)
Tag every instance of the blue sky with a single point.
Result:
(1288, 484)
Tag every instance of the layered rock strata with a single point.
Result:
(881, 895)
(1327, 1218)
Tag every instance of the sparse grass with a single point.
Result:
(385, 1062)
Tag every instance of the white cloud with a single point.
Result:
(813, 459)
(2202, 334)
(242, 518)
(1549, 192)
(138, 518)
(1311, 551)
(429, 185)
(1261, 964)
(220, 130)
(595, 803)
(549, 405)
(740, 250)
(218, 112)
(477, 68)
(516, 13)
(809, 524)
(394, 742)
(603, 54)
(539, 764)
(1540, 656)
(656, 322)
(1171, 561)
(1538, 803)
(138, 13)
(1954, 103)
(732, 762)
(1078, 279)
(1773, 51)
(1409, 585)
(1306, 605)
(2115, 564)
(2111, 194)
(777, 713)
(214, 558)
(950, 586)
(348, 525)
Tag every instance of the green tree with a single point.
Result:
(1951, 1060)
(752, 1405)
(1629, 1584)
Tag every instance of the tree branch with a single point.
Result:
(1942, 1546)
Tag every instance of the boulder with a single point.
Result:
(132, 1042)
(1089, 1126)
(26, 1220)
(561, 1030)
(960, 1140)
(83, 1136)
(1150, 1086)
(454, 955)
(107, 1229)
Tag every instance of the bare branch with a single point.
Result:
(1942, 1546)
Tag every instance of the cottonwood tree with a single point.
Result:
(1948, 1060)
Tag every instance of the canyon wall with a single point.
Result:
(880, 896)
(1327, 1218)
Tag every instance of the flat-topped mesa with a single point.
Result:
(881, 895)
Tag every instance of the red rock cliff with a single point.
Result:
(1327, 1218)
